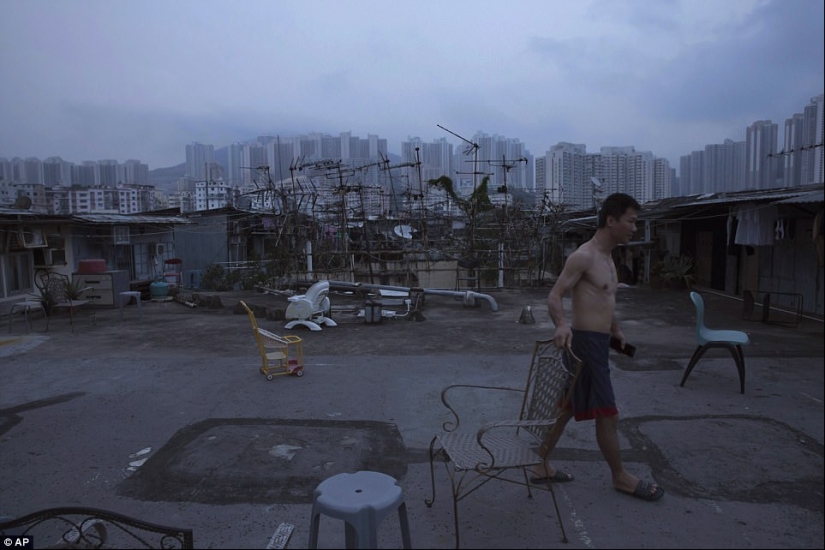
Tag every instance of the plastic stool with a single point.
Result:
(362, 500)
(124, 296)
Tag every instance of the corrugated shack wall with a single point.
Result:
(788, 263)
(792, 265)
(202, 243)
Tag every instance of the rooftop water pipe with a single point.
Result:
(468, 296)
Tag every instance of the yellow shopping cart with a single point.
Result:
(279, 354)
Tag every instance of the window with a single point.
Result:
(15, 274)
(121, 234)
(32, 237)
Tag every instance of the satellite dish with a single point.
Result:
(596, 183)
(403, 231)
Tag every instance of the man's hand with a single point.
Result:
(616, 332)
(563, 338)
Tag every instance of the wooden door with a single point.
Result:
(703, 263)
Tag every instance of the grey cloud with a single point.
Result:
(762, 61)
(643, 15)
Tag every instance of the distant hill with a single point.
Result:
(165, 179)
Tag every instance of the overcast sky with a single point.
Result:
(121, 79)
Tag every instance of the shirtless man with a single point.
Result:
(590, 275)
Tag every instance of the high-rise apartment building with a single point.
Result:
(812, 158)
(566, 182)
(198, 156)
(662, 178)
(791, 156)
(719, 168)
(108, 173)
(135, 172)
(540, 180)
(579, 180)
(755, 163)
(234, 173)
(818, 151)
(436, 157)
(33, 171)
(500, 159)
(253, 155)
(280, 154)
(377, 146)
(761, 161)
(85, 173)
(308, 147)
(723, 166)
(6, 171)
(57, 171)
(505, 159)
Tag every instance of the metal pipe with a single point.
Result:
(468, 296)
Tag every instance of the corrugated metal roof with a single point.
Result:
(20, 212)
(130, 218)
(810, 196)
(675, 205)
(756, 196)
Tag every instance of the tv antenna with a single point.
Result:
(471, 149)
(387, 167)
(507, 165)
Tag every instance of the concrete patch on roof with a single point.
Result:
(20, 344)
(263, 460)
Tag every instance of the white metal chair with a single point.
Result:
(731, 340)
(60, 293)
(499, 448)
(310, 309)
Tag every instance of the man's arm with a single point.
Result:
(574, 269)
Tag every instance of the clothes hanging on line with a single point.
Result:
(757, 225)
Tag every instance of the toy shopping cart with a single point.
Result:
(279, 354)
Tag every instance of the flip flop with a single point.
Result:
(643, 491)
(558, 477)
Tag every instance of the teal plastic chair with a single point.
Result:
(731, 340)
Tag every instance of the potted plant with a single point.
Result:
(46, 299)
(73, 289)
(677, 272)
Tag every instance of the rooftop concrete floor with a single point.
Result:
(232, 455)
